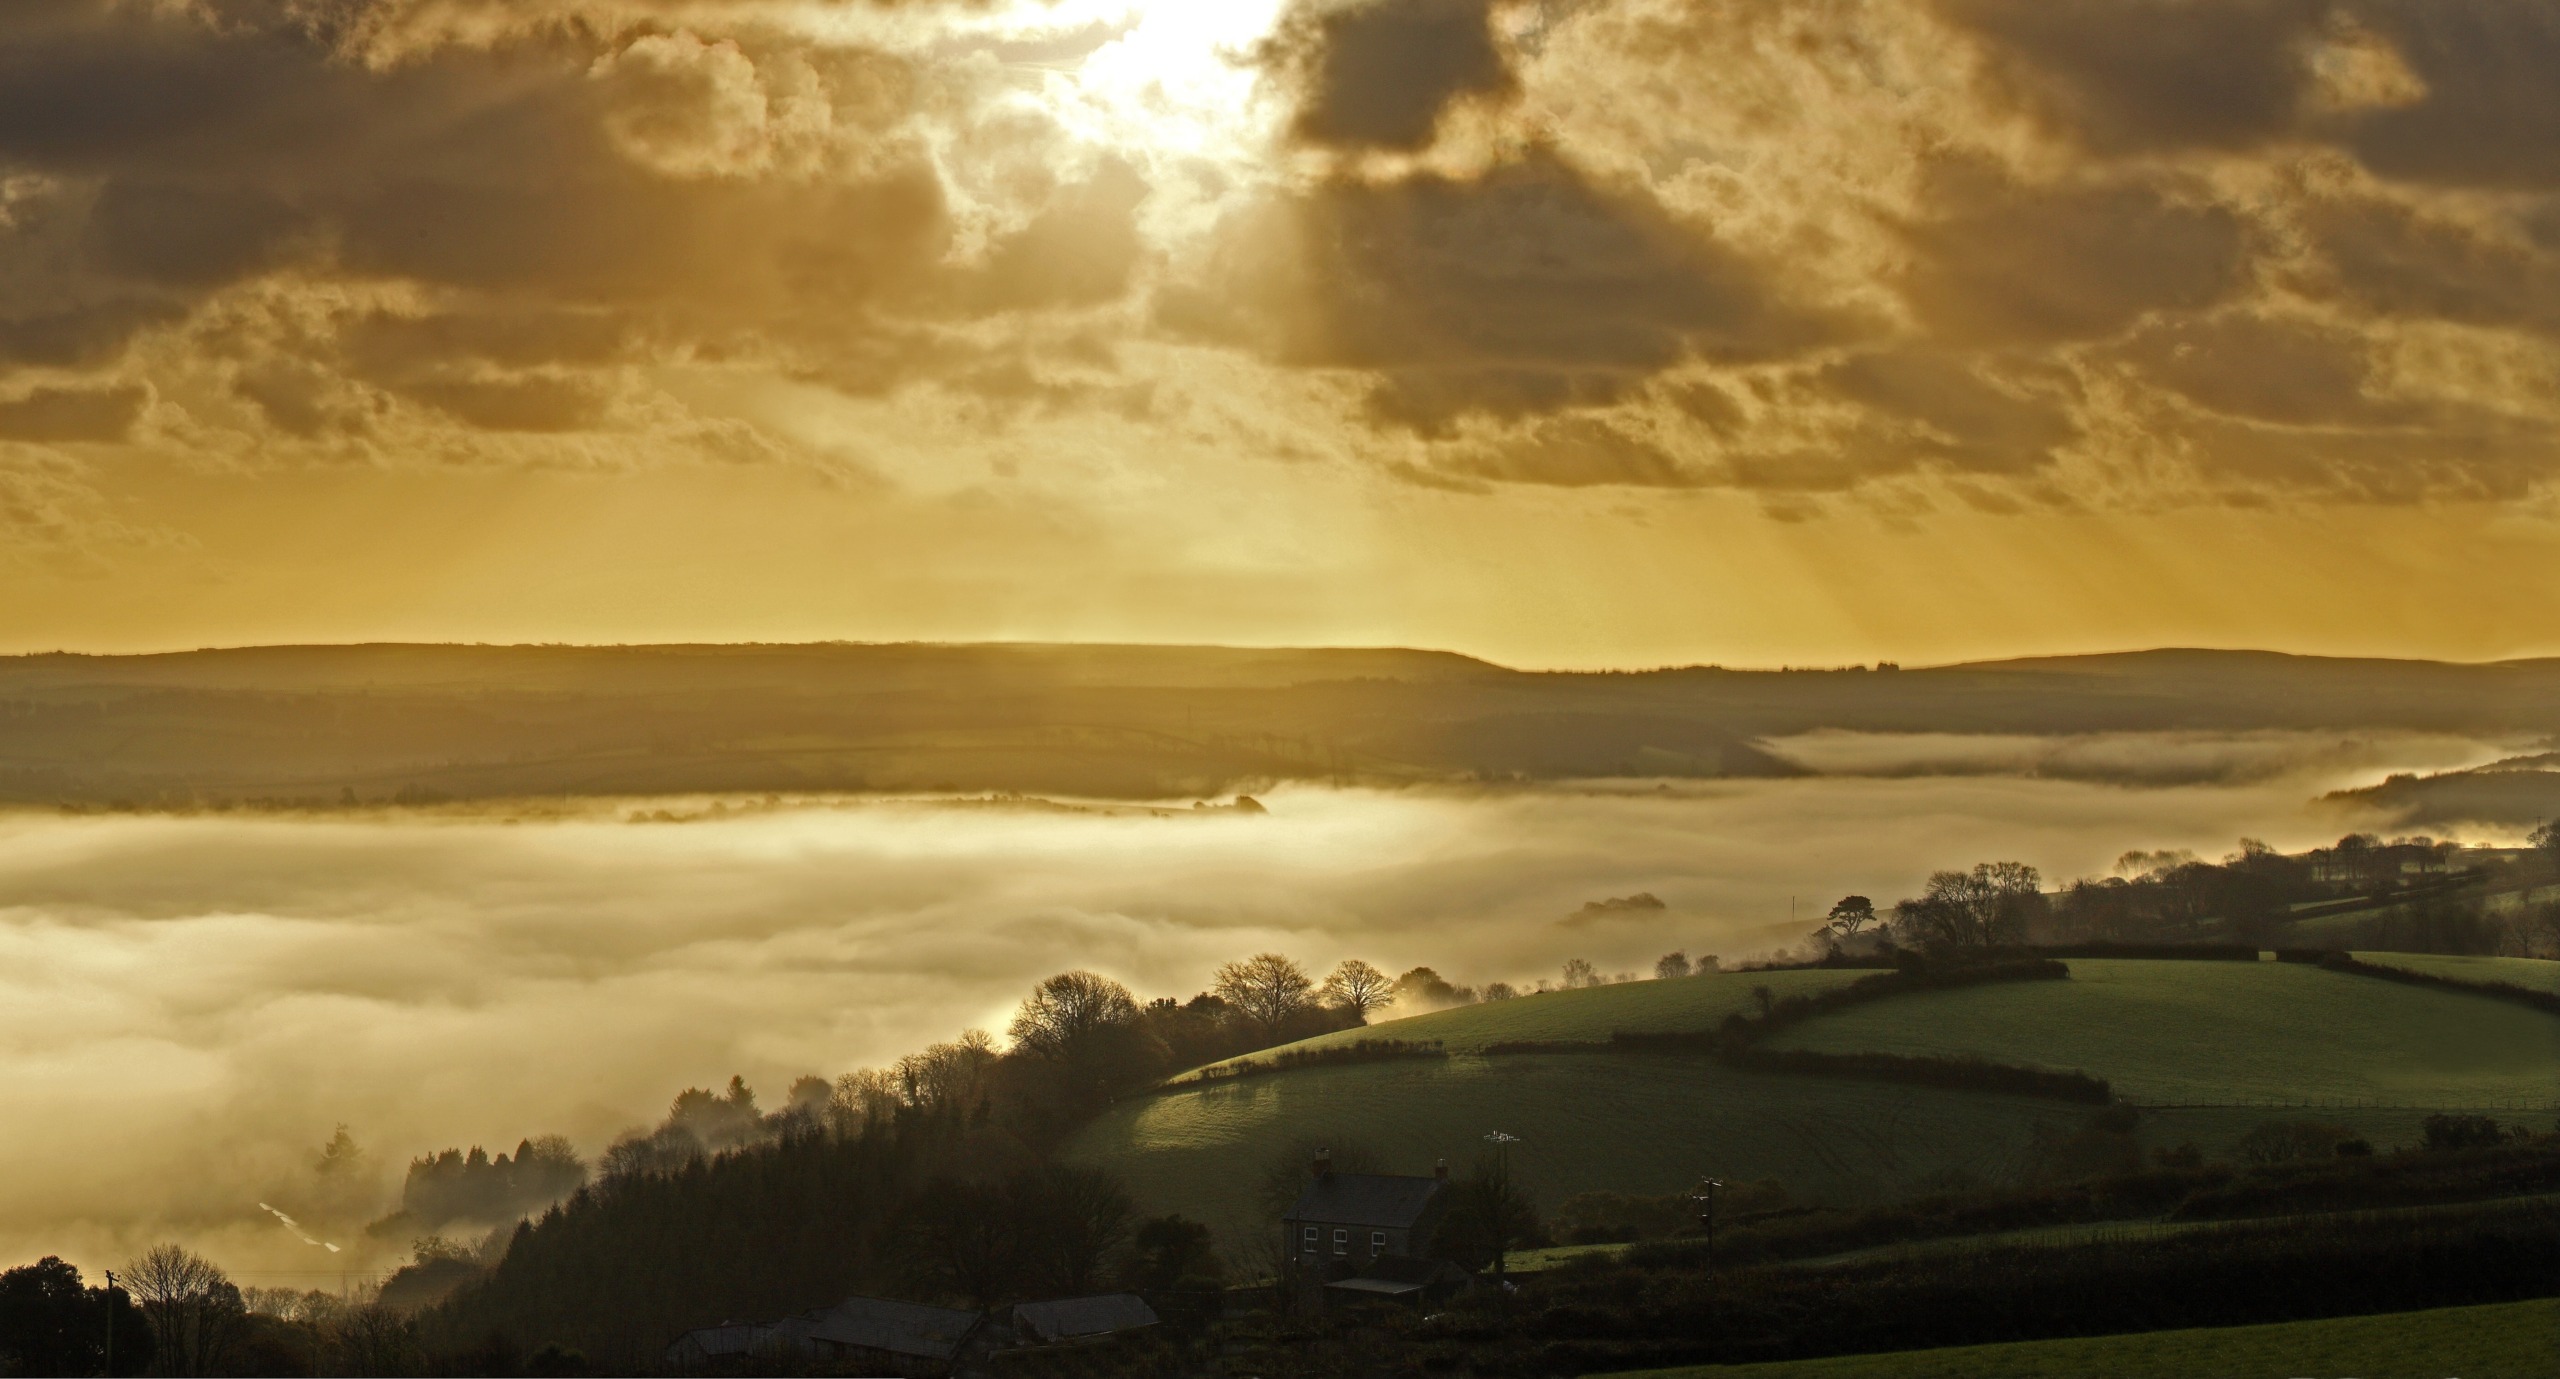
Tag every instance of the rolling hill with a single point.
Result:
(310, 722)
(2217, 1047)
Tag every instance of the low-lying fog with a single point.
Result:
(190, 1005)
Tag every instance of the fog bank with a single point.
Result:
(188, 1006)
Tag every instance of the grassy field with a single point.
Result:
(1644, 1123)
(1677, 1006)
(2503, 1341)
(2218, 1047)
(2541, 974)
(2224, 1032)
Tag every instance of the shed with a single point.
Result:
(909, 1337)
(1065, 1321)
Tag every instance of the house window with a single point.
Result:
(1341, 1242)
(1377, 1242)
(1310, 1239)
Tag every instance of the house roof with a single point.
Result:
(1068, 1319)
(900, 1328)
(1367, 1199)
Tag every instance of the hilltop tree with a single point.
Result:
(1068, 1008)
(1267, 989)
(1852, 915)
(1357, 987)
(1579, 973)
(1971, 911)
(1671, 965)
(2547, 838)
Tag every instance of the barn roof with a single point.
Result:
(1069, 1319)
(900, 1328)
(1367, 1199)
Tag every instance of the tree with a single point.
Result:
(51, 1324)
(1670, 965)
(1424, 989)
(1579, 973)
(1489, 1215)
(1170, 1253)
(194, 1311)
(2547, 838)
(1359, 988)
(1267, 989)
(1853, 914)
(1067, 1008)
(1981, 909)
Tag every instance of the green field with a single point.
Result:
(2214, 1048)
(2519, 1340)
(1680, 1005)
(1644, 1123)
(2540, 974)
(2218, 1033)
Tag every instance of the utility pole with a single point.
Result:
(1499, 1198)
(111, 1322)
(1706, 1194)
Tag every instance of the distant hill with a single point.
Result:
(2518, 792)
(313, 722)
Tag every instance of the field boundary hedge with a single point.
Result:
(2157, 952)
(1359, 1051)
(2545, 1001)
(1962, 1074)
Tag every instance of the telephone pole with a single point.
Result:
(1706, 1194)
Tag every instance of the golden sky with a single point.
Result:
(1574, 332)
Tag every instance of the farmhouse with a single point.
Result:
(1344, 1222)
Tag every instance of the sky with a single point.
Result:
(1563, 332)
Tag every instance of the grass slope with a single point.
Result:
(1677, 1006)
(2540, 974)
(1646, 1123)
(2516, 1340)
(2218, 1033)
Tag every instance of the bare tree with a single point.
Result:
(1064, 1009)
(1578, 972)
(1671, 965)
(1357, 987)
(1266, 988)
(1980, 909)
(194, 1311)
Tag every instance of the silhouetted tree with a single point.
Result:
(1671, 965)
(1959, 911)
(1171, 1253)
(1851, 916)
(1266, 988)
(1067, 1008)
(1357, 987)
(50, 1323)
(194, 1310)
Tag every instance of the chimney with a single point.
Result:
(1324, 1163)
(1440, 1170)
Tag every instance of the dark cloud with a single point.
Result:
(1527, 290)
(1381, 73)
(2392, 259)
(563, 196)
(2130, 75)
(2260, 367)
(1940, 408)
(2469, 101)
(72, 414)
(2004, 262)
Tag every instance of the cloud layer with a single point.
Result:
(2104, 251)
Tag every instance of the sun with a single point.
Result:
(1174, 77)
